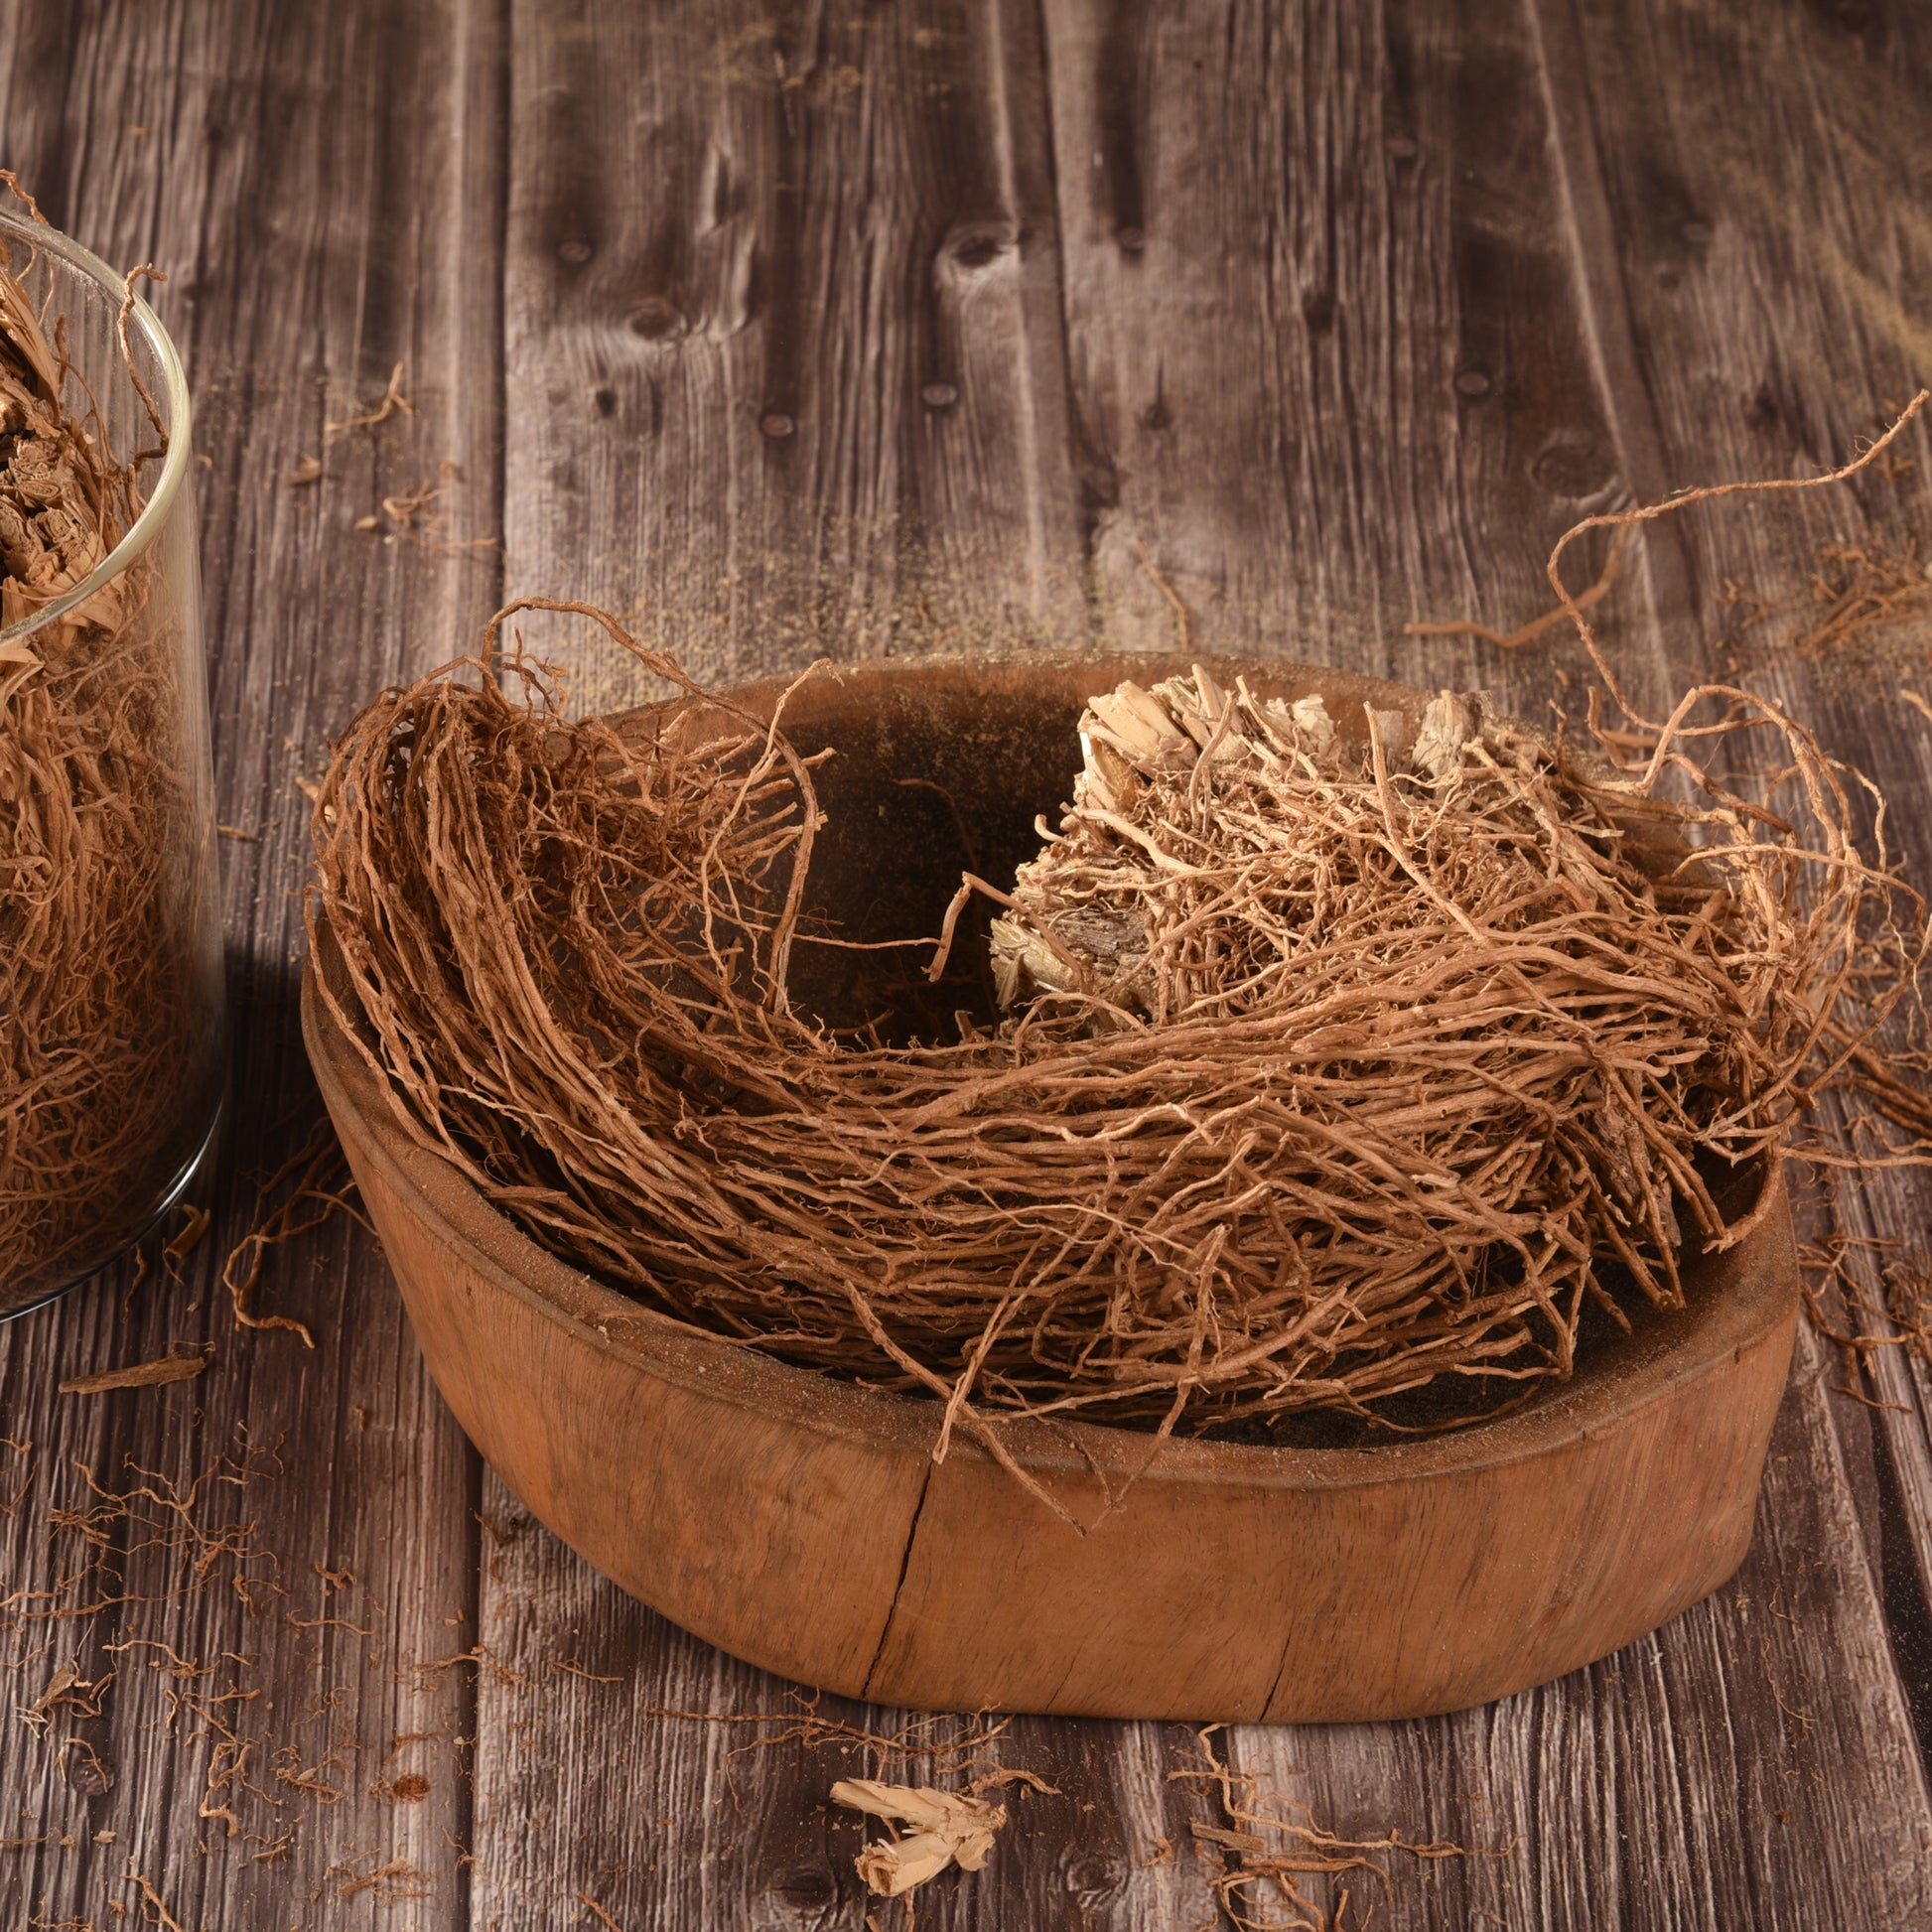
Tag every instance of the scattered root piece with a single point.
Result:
(1855, 590)
(479, 1656)
(66, 1690)
(180, 1245)
(1166, 589)
(1261, 1852)
(1865, 607)
(1874, 1077)
(310, 468)
(308, 1778)
(569, 1667)
(393, 402)
(926, 1741)
(412, 516)
(1863, 1295)
(396, 1880)
(1528, 632)
(141, 1375)
(157, 1519)
(320, 1174)
(408, 508)
(152, 1911)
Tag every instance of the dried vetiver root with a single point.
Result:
(101, 988)
(1341, 1062)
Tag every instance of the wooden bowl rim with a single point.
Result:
(1746, 1292)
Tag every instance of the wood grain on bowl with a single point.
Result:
(803, 1523)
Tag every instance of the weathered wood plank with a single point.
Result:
(1277, 264)
(1709, 1776)
(321, 186)
(1323, 333)
(784, 361)
(719, 1828)
(845, 221)
(1777, 284)
(1451, 161)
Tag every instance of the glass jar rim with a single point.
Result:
(174, 465)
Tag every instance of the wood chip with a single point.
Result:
(141, 1375)
(949, 1827)
(189, 1239)
(62, 1681)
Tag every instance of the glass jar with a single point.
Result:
(112, 1033)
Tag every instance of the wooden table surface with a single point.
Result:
(873, 325)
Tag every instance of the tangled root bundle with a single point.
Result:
(98, 1014)
(1343, 1057)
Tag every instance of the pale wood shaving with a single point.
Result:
(948, 1828)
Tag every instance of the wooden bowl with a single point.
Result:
(801, 1524)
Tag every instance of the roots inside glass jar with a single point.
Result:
(103, 862)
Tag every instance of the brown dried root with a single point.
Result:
(153, 1910)
(393, 400)
(318, 1185)
(1346, 1064)
(1863, 1298)
(99, 980)
(1436, 951)
(1551, 619)
(309, 469)
(1262, 1857)
(91, 1541)
(66, 1690)
(944, 1746)
(394, 1882)
(1864, 603)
